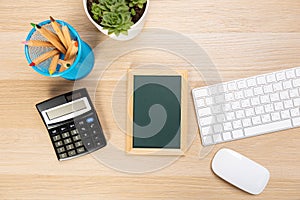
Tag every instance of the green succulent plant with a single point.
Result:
(139, 3)
(117, 22)
(115, 15)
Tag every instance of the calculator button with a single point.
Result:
(55, 138)
(63, 128)
(95, 132)
(85, 135)
(74, 132)
(81, 123)
(65, 135)
(90, 120)
(53, 131)
(70, 146)
(63, 155)
(72, 153)
(76, 138)
(80, 150)
(83, 128)
(67, 141)
(99, 143)
(61, 149)
(92, 125)
(58, 144)
(78, 144)
(88, 143)
(71, 125)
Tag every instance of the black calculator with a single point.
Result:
(73, 124)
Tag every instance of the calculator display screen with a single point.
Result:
(66, 109)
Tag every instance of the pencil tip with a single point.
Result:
(32, 64)
(33, 25)
(76, 44)
(25, 42)
(52, 19)
(51, 72)
(38, 26)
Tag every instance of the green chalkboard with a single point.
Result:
(157, 111)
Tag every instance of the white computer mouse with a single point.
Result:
(240, 171)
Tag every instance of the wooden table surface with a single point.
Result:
(242, 38)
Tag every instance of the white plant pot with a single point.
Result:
(132, 32)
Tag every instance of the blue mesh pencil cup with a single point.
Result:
(82, 65)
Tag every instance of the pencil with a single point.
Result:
(72, 50)
(53, 64)
(58, 31)
(51, 37)
(37, 43)
(64, 65)
(67, 35)
(73, 53)
(44, 57)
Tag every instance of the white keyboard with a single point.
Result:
(248, 107)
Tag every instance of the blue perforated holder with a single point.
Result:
(82, 65)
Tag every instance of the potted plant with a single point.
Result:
(119, 19)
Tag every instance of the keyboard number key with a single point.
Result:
(227, 136)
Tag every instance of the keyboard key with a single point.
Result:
(240, 114)
(220, 118)
(261, 80)
(207, 130)
(204, 111)
(248, 93)
(239, 95)
(227, 136)
(278, 106)
(295, 112)
(230, 116)
(287, 84)
(237, 124)
(290, 73)
(251, 82)
(255, 101)
(265, 99)
(207, 140)
(216, 109)
(236, 105)
(277, 87)
(201, 93)
(74, 132)
(209, 101)
(219, 99)
(296, 82)
(218, 128)
(249, 112)
(259, 110)
(294, 93)
(256, 120)
(76, 138)
(266, 118)
(246, 122)
(271, 78)
(296, 102)
(268, 89)
(284, 95)
(237, 134)
(274, 126)
(296, 121)
(67, 141)
(274, 97)
(241, 84)
(288, 104)
(78, 144)
(297, 71)
(58, 144)
(61, 149)
(245, 103)
(227, 126)
(231, 86)
(258, 91)
(285, 114)
(229, 97)
(226, 107)
(280, 76)
(269, 108)
(200, 102)
(217, 138)
(275, 116)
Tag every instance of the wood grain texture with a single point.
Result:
(242, 38)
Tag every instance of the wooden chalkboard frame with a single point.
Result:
(183, 130)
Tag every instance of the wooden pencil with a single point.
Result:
(64, 65)
(53, 64)
(44, 57)
(37, 43)
(67, 35)
(73, 53)
(72, 50)
(56, 27)
(53, 39)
